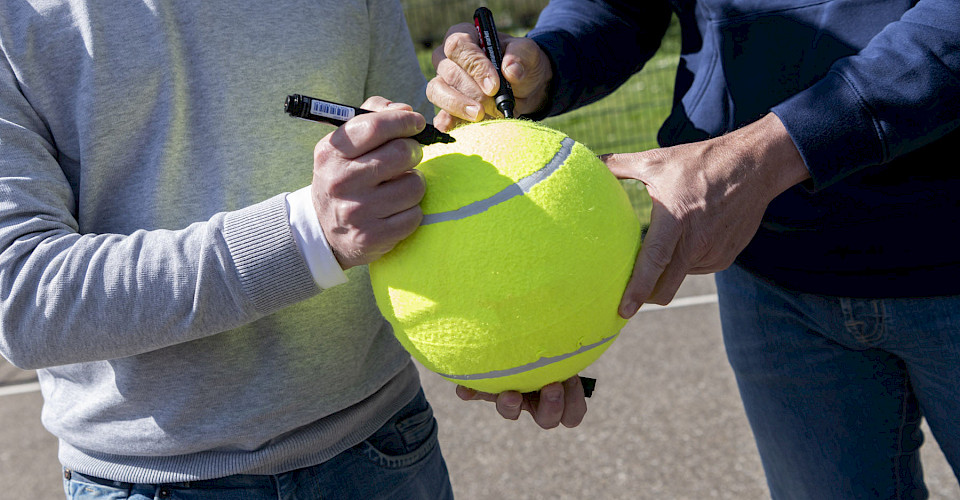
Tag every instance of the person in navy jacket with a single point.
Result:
(809, 161)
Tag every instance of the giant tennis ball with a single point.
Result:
(513, 279)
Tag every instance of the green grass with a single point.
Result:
(625, 121)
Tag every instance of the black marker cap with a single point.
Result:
(431, 135)
(294, 105)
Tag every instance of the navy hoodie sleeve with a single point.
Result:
(595, 46)
(900, 92)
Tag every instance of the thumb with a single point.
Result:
(642, 165)
(525, 65)
(623, 165)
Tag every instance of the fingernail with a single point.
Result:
(487, 85)
(421, 121)
(512, 400)
(629, 309)
(553, 396)
(464, 393)
(515, 71)
(473, 112)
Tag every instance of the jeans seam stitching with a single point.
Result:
(406, 460)
(879, 313)
(901, 428)
(858, 328)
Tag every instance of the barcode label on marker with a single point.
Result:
(330, 110)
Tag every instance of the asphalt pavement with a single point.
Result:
(665, 422)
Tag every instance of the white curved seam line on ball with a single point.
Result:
(518, 188)
(529, 366)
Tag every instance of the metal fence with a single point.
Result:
(625, 121)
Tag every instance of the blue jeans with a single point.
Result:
(400, 461)
(835, 388)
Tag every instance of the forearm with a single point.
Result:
(69, 297)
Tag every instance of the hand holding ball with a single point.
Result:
(513, 279)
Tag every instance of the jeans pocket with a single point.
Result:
(78, 488)
(406, 439)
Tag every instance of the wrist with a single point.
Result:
(313, 245)
(768, 147)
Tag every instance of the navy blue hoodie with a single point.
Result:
(869, 90)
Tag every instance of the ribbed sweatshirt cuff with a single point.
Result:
(272, 271)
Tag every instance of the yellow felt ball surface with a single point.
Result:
(514, 277)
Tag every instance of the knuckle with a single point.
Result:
(458, 89)
(615, 158)
(419, 186)
(401, 224)
(455, 42)
(335, 182)
(374, 102)
(371, 168)
(464, 83)
(650, 161)
(370, 243)
(451, 44)
(361, 129)
(445, 121)
(462, 50)
(411, 221)
(437, 56)
(657, 254)
(401, 149)
(416, 153)
(448, 72)
(337, 189)
(409, 150)
(346, 213)
(396, 155)
(662, 298)
(416, 214)
(433, 91)
(475, 64)
(647, 159)
(323, 151)
(363, 240)
(400, 106)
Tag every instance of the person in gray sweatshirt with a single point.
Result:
(182, 262)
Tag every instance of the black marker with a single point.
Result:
(589, 384)
(490, 43)
(319, 110)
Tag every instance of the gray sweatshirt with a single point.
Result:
(147, 266)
